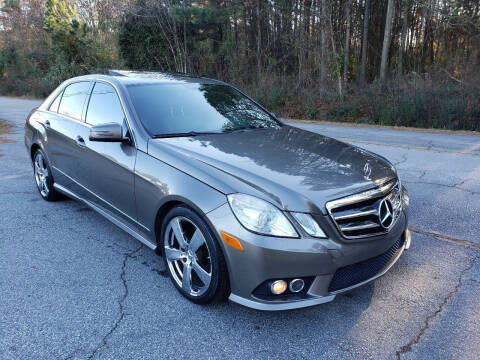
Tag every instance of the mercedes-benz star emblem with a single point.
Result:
(386, 214)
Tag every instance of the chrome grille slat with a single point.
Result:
(359, 227)
(356, 216)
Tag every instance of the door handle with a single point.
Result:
(79, 140)
(47, 124)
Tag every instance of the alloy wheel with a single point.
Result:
(188, 256)
(41, 174)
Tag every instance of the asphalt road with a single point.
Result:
(74, 286)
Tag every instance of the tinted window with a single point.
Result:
(54, 104)
(73, 99)
(179, 108)
(104, 106)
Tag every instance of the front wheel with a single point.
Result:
(43, 177)
(193, 257)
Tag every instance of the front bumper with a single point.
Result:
(266, 258)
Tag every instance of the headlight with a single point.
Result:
(309, 224)
(260, 216)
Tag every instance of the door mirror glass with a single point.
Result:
(111, 132)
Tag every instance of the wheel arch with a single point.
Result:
(33, 150)
(169, 203)
(174, 201)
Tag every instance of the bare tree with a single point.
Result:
(363, 64)
(348, 6)
(259, 42)
(323, 46)
(386, 40)
(401, 49)
(338, 72)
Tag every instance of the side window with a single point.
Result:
(54, 105)
(73, 98)
(104, 106)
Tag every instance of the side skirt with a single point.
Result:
(108, 216)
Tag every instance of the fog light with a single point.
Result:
(296, 285)
(278, 287)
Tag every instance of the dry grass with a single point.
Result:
(353, 124)
(5, 129)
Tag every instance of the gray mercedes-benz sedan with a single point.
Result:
(237, 202)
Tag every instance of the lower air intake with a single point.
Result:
(356, 273)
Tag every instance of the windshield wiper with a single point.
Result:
(245, 128)
(184, 134)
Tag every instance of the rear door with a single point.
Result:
(61, 123)
(108, 167)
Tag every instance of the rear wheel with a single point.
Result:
(193, 257)
(43, 177)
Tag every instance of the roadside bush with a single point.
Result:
(432, 103)
(436, 102)
(70, 49)
(22, 72)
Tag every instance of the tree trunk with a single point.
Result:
(348, 6)
(363, 64)
(259, 42)
(404, 37)
(323, 47)
(184, 40)
(386, 41)
(335, 55)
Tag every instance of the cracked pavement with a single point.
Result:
(74, 286)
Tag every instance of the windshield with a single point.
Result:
(195, 108)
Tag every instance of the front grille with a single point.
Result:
(357, 216)
(356, 273)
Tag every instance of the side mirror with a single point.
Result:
(111, 132)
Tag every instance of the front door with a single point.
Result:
(107, 168)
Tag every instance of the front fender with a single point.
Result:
(157, 183)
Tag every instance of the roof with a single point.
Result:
(135, 77)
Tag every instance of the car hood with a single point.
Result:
(296, 169)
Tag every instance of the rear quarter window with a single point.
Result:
(54, 105)
(73, 99)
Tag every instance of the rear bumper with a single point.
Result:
(265, 258)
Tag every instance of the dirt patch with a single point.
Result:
(6, 141)
(5, 128)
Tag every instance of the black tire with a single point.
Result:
(218, 288)
(51, 194)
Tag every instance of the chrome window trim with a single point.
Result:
(58, 94)
(90, 97)
(63, 92)
(132, 134)
(95, 79)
